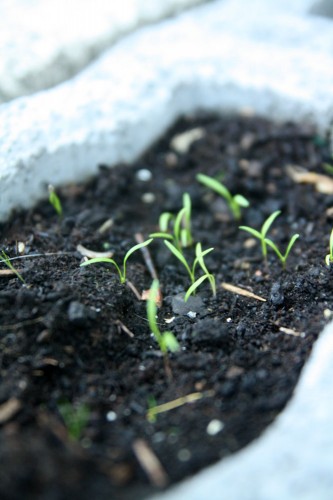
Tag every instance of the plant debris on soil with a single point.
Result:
(87, 409)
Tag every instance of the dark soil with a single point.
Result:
(63, 335)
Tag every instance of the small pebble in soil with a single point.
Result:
(111, 416)
(158, 437)
(276, 295)
(328, 313)
(192, 314)
(148, 198)
(192, 305)
(214, 427)
(144, 175)
(78, 313)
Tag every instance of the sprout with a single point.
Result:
(166, 340)
(55, 201)
(261, 235)
(263, 231)
(199, 259)
(283, 258)
(182, 235)
(235, 202)
(122, 273)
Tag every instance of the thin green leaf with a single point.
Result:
(241, 201)
(161, 235)
(252, 231)
(283, 258)
(290, 245)
(200, 258)
(164, 220)
(55, 200)
(178, 224)
(135, 248)
(151, 310)
(194, 286)
(131, 251)
(95, 260)
(215, 186)
(180, 257)
(105, 260)
(170, 342)
(268, 222)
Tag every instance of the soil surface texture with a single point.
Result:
(79, 367)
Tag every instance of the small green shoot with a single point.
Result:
(6, 260)
(166, 340)
(121, 272)
(283, 258)
(199, 259)
(235, 202)
(55, 201)
(181, 236)
(261, 235)
(75, 418)
(329, 257)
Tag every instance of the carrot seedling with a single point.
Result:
(261, 235)
(166, 340)
(199, 260)
(235, 202)
(55, 201)
(181, 235)
(283, 258)
(107, 260)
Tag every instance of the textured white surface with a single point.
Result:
(277, 61)
(223, 56)
(44, 42)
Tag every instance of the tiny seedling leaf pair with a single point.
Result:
(181, 236)
(166, 340)
(235, 202)
(108, 260)
(199, 260)
(261, 236)
(55, 201)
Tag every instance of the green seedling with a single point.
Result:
(166, 340)
(235, 202)
(283, 258)
(75, 418)
(55, 201)
(6, 260)
(329, 256)
(181, 236)
(261, 235)
(199, 260)
(107, 260)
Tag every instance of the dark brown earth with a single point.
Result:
(77, 336)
